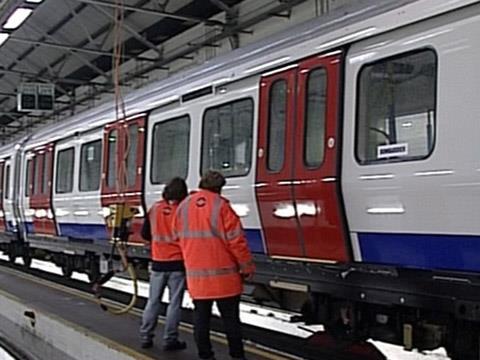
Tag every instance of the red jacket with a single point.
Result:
(214, 247)
(164, 245)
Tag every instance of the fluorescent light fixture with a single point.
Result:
(34, 1)
(386, 210)
(17, 18)
(434, 173)
(3, 38)
(376, 177)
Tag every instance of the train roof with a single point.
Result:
(365, 19)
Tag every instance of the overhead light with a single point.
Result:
(34, 1)
(17, 18)
(3, 38)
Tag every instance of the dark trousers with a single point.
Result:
(230, 312)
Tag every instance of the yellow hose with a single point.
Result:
(133, 276)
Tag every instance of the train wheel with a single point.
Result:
(465, 343)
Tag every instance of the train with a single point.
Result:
(350, 148)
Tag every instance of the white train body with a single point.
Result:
(376, 161)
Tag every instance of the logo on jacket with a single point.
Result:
(167, 210)
(201, 202)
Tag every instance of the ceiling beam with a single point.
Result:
(75, 48)
(132, 31)
(165, 14)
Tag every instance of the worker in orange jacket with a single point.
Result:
(167, 268)
(217, 260)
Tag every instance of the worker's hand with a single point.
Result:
(248, 276)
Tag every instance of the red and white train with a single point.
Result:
(350, 146)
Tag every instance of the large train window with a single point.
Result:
(227, 138)
(90, 165)
(170, 149)
(315, 108)
(396, 108)
(277, 123)
(112, 159)
(132, 154)
(64, 175)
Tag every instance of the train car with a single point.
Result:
(351, 156)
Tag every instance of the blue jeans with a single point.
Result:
(175, 281)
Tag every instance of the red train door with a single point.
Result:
(299, 204)
(123, 167)
(316, 157)
(274, 164)
(41, 196)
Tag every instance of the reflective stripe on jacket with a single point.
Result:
(164, 245)
(214, 247)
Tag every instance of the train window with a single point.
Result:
(28, 173)
(6, 182)
(2, 166)
(170, 150)
(132, 154)
(277, 125)
(315, 108)
(90, 165)
(396, 108)
(112, 159)
(64, 175)
(37, 179)
(227, 138)
(45, 174)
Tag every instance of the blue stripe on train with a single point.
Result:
(99, 232)
(84, 231)
(452, 252)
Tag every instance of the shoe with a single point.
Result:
(147, 344)
(176, 345)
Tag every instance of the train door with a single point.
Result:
(274, 165)
(316, 155)
(41, 196)
(2, 211)
(297, 180)
(123, 168)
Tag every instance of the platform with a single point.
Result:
(45, 320)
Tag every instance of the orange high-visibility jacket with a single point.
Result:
(214, 246)
(164, 245)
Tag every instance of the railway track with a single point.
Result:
(281, 345)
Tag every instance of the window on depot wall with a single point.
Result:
(227, 138)
(90, 165)
(64, 173)
(170, 150)
(396, 108)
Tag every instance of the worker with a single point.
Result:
(167, 268)
(217, 260)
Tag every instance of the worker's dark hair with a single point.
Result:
(213, 181)
(175, 190)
